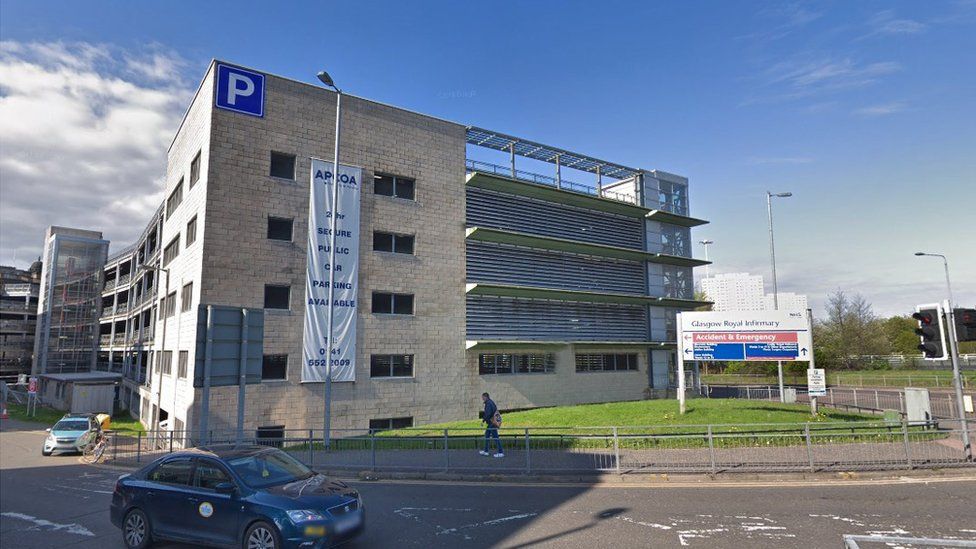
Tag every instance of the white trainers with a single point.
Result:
(498, 455)
(484, 453)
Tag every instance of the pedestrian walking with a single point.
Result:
(493, 420)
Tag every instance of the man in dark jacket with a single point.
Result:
(491, 431)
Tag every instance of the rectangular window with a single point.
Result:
(171, 304)
(271, 435)
(279, 228)
(276, 297)
(282, 165)
(175, 199)
(385, 424)
(391, 242)
(392, 304)
(181, 365)
(516, 364)
(191, 231)
(171, 250)
(393, 185)
(390, 365)
(195, 170)
(187, 302)
(606, 362)
(274, 367)
(166, 366)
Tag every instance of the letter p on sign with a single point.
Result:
(240, 90)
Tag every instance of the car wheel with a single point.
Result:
(46, 452)
(261, 535)
(135, 530)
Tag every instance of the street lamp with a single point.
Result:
(954, 355)
(162, 351)
(326, 79)
(705, 244)
(772, 260)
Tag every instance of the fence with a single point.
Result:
(850, 379)
(868, 400)
(712, 449)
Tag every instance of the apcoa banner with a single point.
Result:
(346, 269)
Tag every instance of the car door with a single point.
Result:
(212, 516)
(166, 496)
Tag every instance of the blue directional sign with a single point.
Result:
(240, 90)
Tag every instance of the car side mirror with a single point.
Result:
(225, 488)
(48, 430)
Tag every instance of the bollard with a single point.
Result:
(711, 450)
(528, 458)
(854, 389)
(806, 432)
(908, 449)
(616, 450)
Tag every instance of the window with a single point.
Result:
(391, 366)
(195, 170)
(182, 363)
(678, 282)
(274, 367)
(276, 297)
(208, 475)
(171, 250)
(166, 365)
(175, 471)
(606, 363)
(390, 423)
(392, 185)
(171, 304)
(390, 242)
(191, 231)
(175, 199)
(187, 302)
(279, 228)
(282, 165)
(271, 435)
(392, 304)
(516, 364)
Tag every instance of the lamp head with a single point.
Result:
(326, 79)
(919, 253)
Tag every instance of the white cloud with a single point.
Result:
(84, 130)
(885, 23)
(884, 109)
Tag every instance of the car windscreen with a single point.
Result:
(269, 468)
(71, 425)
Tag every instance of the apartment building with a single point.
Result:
(482, 261)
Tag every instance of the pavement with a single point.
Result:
(60, 502)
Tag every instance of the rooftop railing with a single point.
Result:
(539, 179)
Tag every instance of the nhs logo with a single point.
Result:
(240, 91)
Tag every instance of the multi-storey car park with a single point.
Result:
(475, 274)
(18, 318)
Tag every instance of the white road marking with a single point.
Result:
(685, 535)
(72, 528)
(486, 523)
(640, 523)
(84, 489)
(843, 519)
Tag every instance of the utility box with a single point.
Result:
(789, 395)
(918, 408)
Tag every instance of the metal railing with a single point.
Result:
(814, 446)
(539, 179)
(869, 379)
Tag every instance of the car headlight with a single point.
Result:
(52, 438)
(299, 516)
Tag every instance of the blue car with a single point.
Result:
(255, 497)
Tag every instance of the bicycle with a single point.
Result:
(95, 449)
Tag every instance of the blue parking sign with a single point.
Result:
(240, 91)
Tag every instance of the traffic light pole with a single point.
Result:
(957, 380)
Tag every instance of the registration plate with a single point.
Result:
(347, 523)
(314, 531)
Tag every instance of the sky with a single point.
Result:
(865, 111)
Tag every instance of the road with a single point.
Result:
(60, 502)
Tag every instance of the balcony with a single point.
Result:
(110, 284)
(105, 340)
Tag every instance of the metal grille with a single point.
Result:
(538, 320)
(546, 269)
(516, 213)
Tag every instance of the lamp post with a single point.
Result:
(705, 244)
(772, 260)
(954, 356)
(162, 346)
(327, 427)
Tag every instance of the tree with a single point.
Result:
(900, 332)
(702, 296)
(850, 331)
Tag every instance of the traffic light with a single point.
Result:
(965, 324)
(931, 332)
